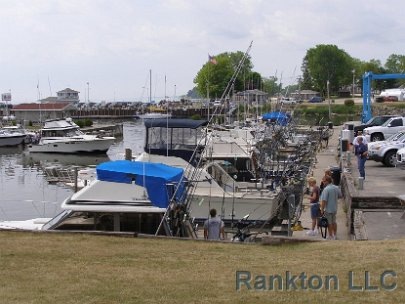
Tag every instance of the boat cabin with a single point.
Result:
(175, 137)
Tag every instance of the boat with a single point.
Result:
(18, 129)
(126, 197)
(64, 136)
(219, 165)
(214, 187)
(8, 138)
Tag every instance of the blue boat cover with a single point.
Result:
(280, 118)
(155, 176)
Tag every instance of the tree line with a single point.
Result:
(322, 65)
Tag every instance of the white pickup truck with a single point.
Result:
(401, 159)
(390, 127)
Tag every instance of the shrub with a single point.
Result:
(196, 117)
(349, 102)
(88, 122)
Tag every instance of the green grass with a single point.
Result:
(67, 268)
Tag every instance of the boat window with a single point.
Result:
(107, 221)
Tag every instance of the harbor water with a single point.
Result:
(28, 191)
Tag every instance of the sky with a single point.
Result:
(105, 49)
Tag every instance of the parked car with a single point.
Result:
(375, 121)
(315, 99)
(400, 161)
(385, 151)
(288, 100)
(388, 128)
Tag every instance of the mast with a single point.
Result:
(150, 86)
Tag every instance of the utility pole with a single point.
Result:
(327, 87)
(353, 71)
(88, 92)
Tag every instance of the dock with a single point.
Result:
(376, 212)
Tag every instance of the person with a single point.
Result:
(314, 201)
(361, 151)
(214, 227)
(328, 172)
(355, 142)
(329, 202)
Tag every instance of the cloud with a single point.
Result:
(113, 44)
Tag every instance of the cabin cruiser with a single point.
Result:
(214, 187)
(8, 138)
(218, 167)
(126, 196)
(64, 136)
(18, 129)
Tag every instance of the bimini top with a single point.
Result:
(60, 124)
(174, 123)
(159, 180)
(280, 118)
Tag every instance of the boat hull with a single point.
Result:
(100, 145)
(259, 209)
(12, 140)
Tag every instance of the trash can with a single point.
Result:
(336, 172)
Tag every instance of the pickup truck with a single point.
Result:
(388, 128)
(385, 151)
(401, 159)
(375, 121)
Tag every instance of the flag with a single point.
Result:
(212, 59)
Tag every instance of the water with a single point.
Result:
(25, 192)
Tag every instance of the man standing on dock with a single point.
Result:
(214, 227)
(329, 201)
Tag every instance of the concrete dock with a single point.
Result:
(375, 212)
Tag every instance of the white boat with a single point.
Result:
(154, 115)
(8, 138)
(213, 187)
(64, 136)
(126, 196)
(18, 129)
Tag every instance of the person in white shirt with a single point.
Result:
(355, 140)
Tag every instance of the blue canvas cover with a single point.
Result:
(156, 177)
(280, 118)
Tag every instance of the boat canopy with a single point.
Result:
(159, 180)
(280, 118)
(174, 123)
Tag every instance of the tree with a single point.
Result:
(270, 86)
(328, 63)
(395, 64)
(306, 81)
(213, 77)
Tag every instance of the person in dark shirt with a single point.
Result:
(361, 151)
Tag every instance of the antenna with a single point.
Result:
(50, 89)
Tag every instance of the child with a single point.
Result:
(314, 201)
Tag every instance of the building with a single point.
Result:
(304, 94)
(252, 96)
(39, 112)
(66, 95)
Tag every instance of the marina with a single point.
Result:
(25, 190)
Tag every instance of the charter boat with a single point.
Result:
(8, 138)
(219, 167)
(214, 187)
(64, 136)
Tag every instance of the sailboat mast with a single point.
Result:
(150, 86)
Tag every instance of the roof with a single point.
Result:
(174, 123)
(41, 106)
(68, 90)
(252, 92)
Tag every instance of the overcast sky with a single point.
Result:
(112, 45)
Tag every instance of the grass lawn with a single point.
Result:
(71, 268)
